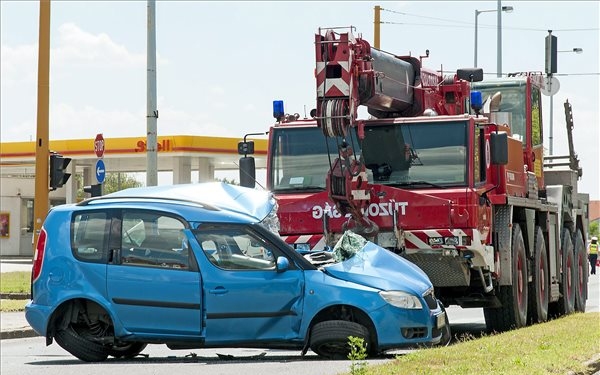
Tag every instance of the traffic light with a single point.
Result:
(551, 53)
(94, 190)
(58, 176)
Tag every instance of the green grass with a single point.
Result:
(555, 347)
(15, 282)
(12, 305)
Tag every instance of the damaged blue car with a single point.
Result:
(201, 266)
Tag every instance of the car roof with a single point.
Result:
(210, 201)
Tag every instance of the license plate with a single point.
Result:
(441, 320)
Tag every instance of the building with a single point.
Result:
(182, 155)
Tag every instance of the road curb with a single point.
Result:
(17, 334)
(23, 296)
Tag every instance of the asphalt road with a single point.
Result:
(32, 356)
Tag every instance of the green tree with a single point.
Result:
(593, 229)
(113, 182)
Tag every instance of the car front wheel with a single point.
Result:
(329, 339)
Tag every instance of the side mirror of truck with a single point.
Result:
(246, 148)
(247, 172)
(499, 148)
(470, 74)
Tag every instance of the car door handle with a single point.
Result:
(218, 290)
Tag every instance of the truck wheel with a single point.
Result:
(513, 312)
(329, 339)
(581, 271)
(70, 340)
(566, 301)
(538, 288)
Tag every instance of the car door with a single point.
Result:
(152, 279)
(246, 298)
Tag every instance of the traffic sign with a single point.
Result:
(551, 86)
(99, 145)
(100, 171)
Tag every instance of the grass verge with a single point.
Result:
(556, 347)
(12, 305)
(15, 282)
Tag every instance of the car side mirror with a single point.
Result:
(283, 264)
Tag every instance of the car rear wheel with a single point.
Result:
(329, 339)
(79, 346)
(127, 350)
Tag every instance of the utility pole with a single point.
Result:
(42, 150)
(376, 27)
(499, 46)
(152, 112)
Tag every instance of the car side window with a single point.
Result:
(89, 235)
(153, 239)
(236, 248)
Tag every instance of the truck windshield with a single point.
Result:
(299, 158)
(513, 101)
(417, 155)
(413, 155)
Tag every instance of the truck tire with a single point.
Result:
(566, 301)
(514, 298)
(80, 347)
(581, 271)
(329, 339)
(539, 287)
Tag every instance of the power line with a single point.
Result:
(471, 24)
(428, 17)
(555, 74)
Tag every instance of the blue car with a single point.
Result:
(201, 266)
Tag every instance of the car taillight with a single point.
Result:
(38, 256)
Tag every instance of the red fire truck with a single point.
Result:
(447, 171)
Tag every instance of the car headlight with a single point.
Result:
(401, 299)
(271, 221)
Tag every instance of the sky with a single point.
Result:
(221, 64)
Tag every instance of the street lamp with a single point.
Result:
(576, 50)
(507, 9)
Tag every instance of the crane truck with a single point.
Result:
(447, 171)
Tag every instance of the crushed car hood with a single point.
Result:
(379, 268)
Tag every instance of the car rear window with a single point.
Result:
(89, 234)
